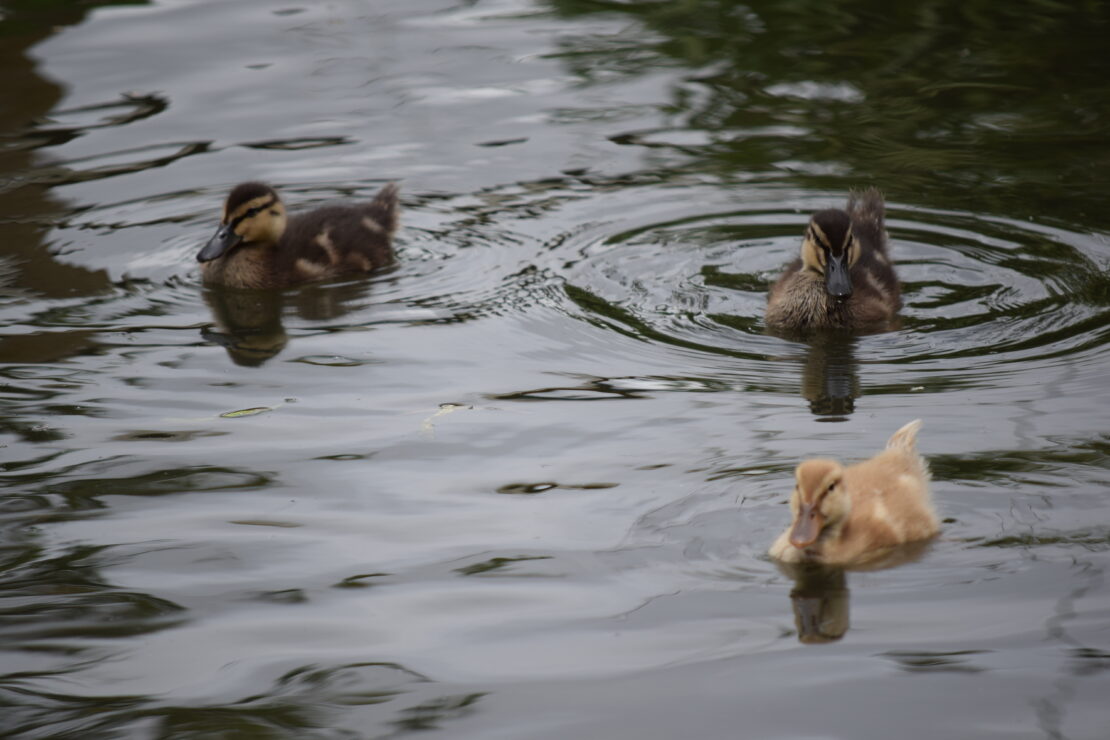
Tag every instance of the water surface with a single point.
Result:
(521, 485)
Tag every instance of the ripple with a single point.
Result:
(533, 488)
(65, 125)
(297, 144)
(985, 297)
(122, 162)
(332, 361)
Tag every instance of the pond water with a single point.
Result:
(522, 484)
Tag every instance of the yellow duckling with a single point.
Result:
(850, 515)
(259, 246)
(844, 278)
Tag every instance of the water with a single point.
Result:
(521, 485)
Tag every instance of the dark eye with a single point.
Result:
(832, 485)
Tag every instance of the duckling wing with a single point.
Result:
(868, 213)
(385, 208)
(332, 241)
(878, 292)
(906, 436)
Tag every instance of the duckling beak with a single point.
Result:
(224, 239)
(807, 527)
(837, 281)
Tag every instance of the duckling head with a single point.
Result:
(819, 501)
(830, 249)
(253, 214)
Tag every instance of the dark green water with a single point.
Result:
(521, 485)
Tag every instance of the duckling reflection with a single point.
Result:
(249, 323)
(830, 377)
(820, 597)
(820, 602)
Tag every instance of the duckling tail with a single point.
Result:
(385, 208)
(906, 437)
(868, 211)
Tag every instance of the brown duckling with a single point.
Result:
(844, 278)
(259, 246)
(851, 515)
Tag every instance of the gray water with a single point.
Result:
(521, 485)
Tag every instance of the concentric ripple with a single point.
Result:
(989, 302)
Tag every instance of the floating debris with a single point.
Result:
(359, 581)
(428, 428)
(527, 488)
(330, 361)
(245, 412)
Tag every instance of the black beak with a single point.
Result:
(837, 281)
(218, 245)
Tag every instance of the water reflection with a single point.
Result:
(28, 209)
(248, 323)
(914, 99)
(388, 697)
(820, 601)
(830, 377)
(830, 373)
(378, 525)
(820, 595)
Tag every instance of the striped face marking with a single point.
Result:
(829, 235)
(252, 214)
(829, 250)
(259, 219)
(249, 210)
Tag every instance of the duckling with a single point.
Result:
(851, 515)
(259, 246)
(844, 278)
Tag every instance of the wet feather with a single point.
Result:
(259, 246)
(843, 278)
(854, 515)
